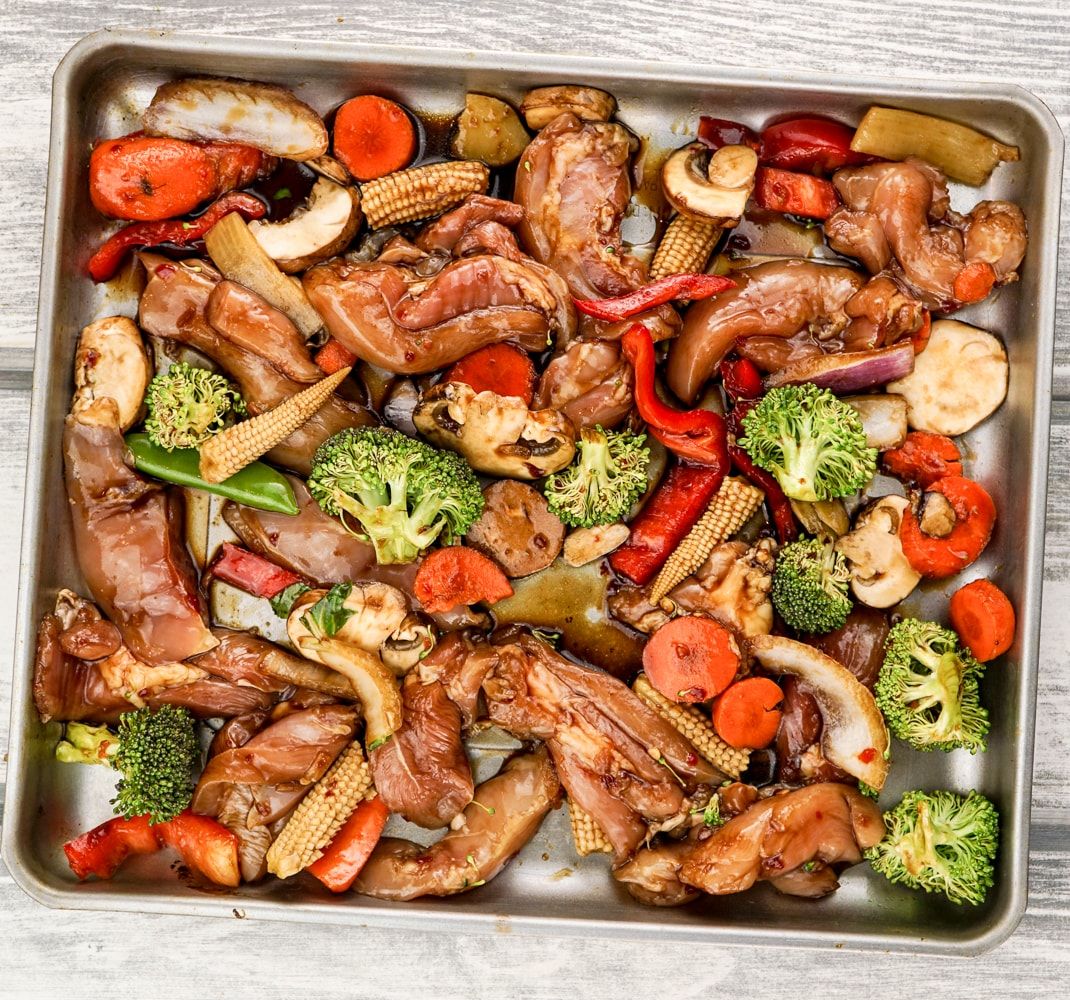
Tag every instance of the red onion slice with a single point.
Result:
(853, 372)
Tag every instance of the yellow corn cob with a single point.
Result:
(731, 507)
(232, 450)
(321, 814)
(685, 247)
(587, 835)
(695, 728)
(420, 192)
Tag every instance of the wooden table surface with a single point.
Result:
(82, 954)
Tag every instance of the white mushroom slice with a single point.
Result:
(498, 435)
(958, 380)
(855, 737)
(717, 195)
(111, 363)
(321, 228)
(881, 575)
(543, 104)
(258, 114)
(585, 545)
(329, 167)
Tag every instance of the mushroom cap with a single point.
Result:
(881, 575)
(719, 194)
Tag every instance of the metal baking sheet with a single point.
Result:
(100, 89)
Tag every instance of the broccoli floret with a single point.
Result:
(810, 586)
(157, 756)
(188, 405)
(811, 441)
(84, 744)
(607, 477)
(403, 493)
(940, 842)
(928, 688)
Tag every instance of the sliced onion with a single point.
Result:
(884, 419)
(845, 373)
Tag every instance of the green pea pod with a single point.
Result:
(257, 485)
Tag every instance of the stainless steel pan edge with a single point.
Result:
(29, 832)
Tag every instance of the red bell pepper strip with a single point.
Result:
(347, 854)
(717, 132)
(680, 500)
(205, 845)
(103, 849)
(252, 573)
(655, 293)
(797, 194)
(741, 379)
(811, 145)
(779, 505)
(697, 435)
(106, 261)
(975, 516)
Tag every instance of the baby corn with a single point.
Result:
(685, 247)
(694, 727)
(731, 507)
(321, 814)
(587, 835)
(421, 192)
(232, 450)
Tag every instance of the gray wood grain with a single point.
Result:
(82, 954)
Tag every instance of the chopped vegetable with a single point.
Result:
(741, 379)
(811, 441)
(257, 485)
(187, 405)
(501, 368)
(849, 372)
(710, 186)
(103, 849)
(489, 130)
(334, 356)
(809, 144)
(585, 545)
(779, 505)
(351, 847)
(282, 603)
(328, 615)
(251, 572)
(983, 617)
(884, 419)
(685, 247)
(421, 192)
(928, 689)
(373, 137)
(974, 282)
(158, 753)
(691, 659)
(655, 293)
(587, 836)
(797, 194)
(959, 151)
(940, 842)
(83, 744)
(881, 575)
(810, 586)
(665, 520)
(923, 458)
(205, 845)
(605, 480)
(697, 435)
(974, 516)
(718, 132)
(402, 493)
(458, 575)
(746, 715)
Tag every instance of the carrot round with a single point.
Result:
(923, 458)
(501, 368)
(691, 659)
(746, 716)
(347, 854)
(149, 179)
(373, 137)
(974, 282)
(458, 575)
(983, 617)
(975, 516)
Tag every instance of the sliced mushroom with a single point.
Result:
(329, 167)
(543, 104)
(881, 575)
(111, 363)
(321, 228)
(936, 516)
(407, 645)
(822, 517)
(585, 545)
(498, 435)
(716, 192)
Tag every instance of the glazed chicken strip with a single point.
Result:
(502, 818)
(590, 383)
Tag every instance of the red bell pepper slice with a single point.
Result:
(680, 500)
(347, 854)
(252, 573)
(106, 261)
(205, 845)
(741, 379)
(715, 133)
(795, 194)
(675, 286)
(810, 144)
(779, 505)
(103, 849)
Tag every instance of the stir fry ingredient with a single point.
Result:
(500, 368)
(351, 847)
(676, 286)
(373, 137)
(951, 527)
(810, 586)
(923, 458)
(458, 576)
(983, 617)
(691, 659)
(187, 405)
(746, 715)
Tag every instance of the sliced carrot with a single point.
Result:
(746, 716)
(352, 846)
(691, 659)
(974, 282)
(334, 356)
(458, 575)
(975, 516)
(984, 618)
(501, 368)
(373, 137)
(923, 458)
(920, 337)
